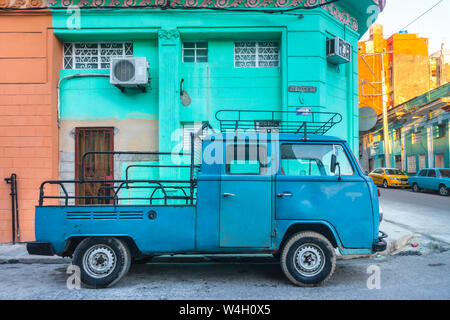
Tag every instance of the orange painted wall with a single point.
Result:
(30, 59)
(407, 70)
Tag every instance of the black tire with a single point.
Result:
(443, 190)
(385, 184)
(415, 187)
(316, 249)
(102, 261)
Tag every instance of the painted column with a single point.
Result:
(430, 146)
(169, 47)
(403, 152)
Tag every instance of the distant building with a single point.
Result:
(418, 135)
(417, 117)
(440, 68)
(406, 67)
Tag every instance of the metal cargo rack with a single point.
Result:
(306, 122)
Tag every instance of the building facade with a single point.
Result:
(403, 53)
(418, 135)
(30, 59)
(237, 55)
(440, 68)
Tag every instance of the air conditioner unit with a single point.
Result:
(338, 51)
(129, 72)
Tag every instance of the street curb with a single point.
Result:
(392, 247)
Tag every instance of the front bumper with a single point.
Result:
(396, 183)
(380, 244)
(40, 248)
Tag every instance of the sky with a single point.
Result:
(434, 25)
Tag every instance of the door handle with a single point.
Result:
(284, 195)
(228, 194)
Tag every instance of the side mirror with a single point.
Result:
(366, 173)
(333, 163)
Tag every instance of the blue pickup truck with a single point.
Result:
(272, 186)
(431, 179)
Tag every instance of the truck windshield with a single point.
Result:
(445, 173)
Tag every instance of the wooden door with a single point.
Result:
(96, 166)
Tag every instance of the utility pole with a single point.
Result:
(373, 84)
(387, 155)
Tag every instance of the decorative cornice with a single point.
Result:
(168, 34)
(333, 9)
(23, 4)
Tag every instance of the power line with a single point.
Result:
(439, 2)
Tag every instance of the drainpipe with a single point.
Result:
(78, 75)
(14, 207)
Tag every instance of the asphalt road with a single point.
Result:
(401, 277)
(426, 214)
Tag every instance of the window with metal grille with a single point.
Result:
(94, 55)
(397, 134)
(439, 131)
(188, 128)
(416, 137)
(412, 164)
(256, 54)
(195, 51)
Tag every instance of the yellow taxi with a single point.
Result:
(389, 177)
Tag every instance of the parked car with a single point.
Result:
(299, 197)
(389, 177)
(432, 179)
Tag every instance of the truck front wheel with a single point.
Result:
(102, 261)
(308, 259)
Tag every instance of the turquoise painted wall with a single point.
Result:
(91, 99)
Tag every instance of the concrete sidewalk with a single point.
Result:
(397, 239)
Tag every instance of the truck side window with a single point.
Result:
(313, 160)
(246, 159)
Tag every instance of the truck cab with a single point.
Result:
(286, 191)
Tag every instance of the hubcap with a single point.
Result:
(99, 261)
(443, 190)
(309, 260)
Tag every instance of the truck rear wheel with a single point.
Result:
(102, 261)
(308, 259)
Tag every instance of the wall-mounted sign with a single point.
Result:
(306, 89)
(305, 111)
